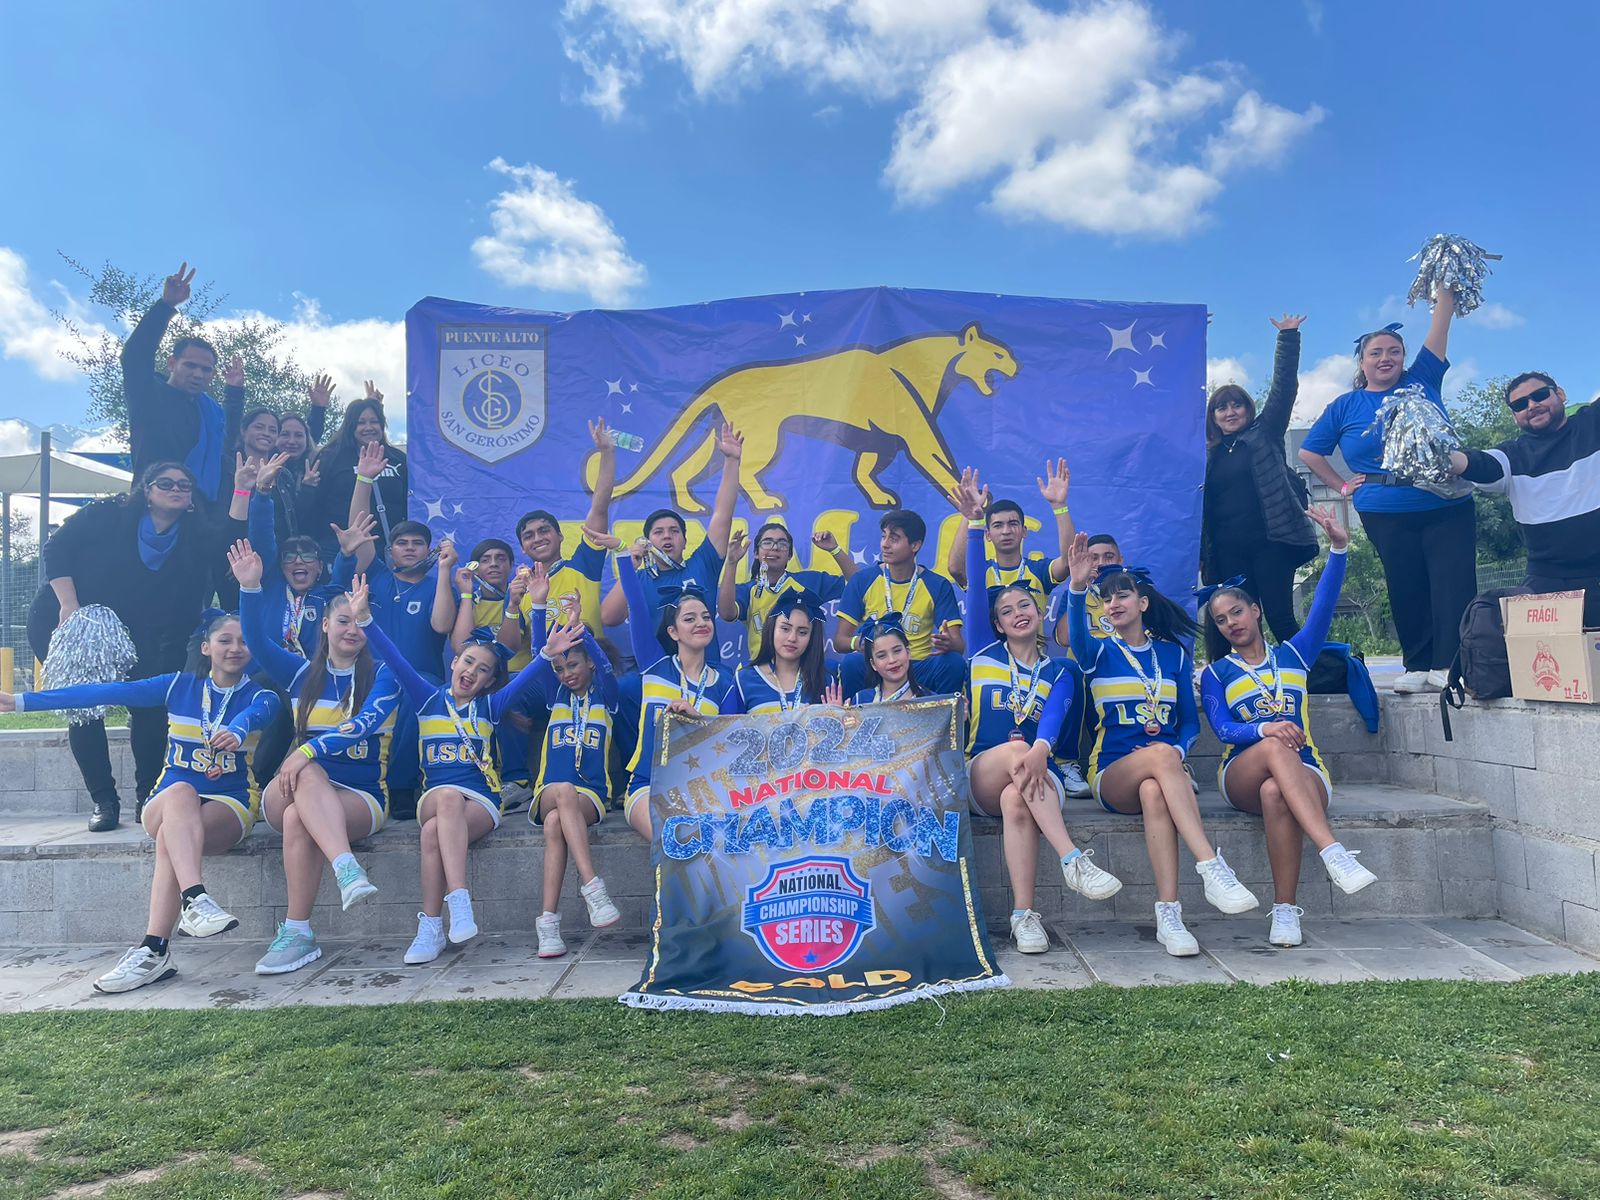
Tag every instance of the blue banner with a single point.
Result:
(850, 402)
(814, 862)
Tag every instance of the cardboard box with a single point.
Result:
(1552, 656)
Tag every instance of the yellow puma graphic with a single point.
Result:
(880, 402)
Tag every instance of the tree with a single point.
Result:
(272, 377)
(1482, 420)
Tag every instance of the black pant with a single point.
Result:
(147, 727)
(1268, 569)
(1565, 583)
(1430, 564)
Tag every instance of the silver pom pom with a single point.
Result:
(1450, 261)
(1417, 441)
(91, 646)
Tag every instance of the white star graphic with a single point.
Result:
(1121, 339)
(626, 407)
(805, 319)
(613, 387)
(633, 387)
(799, 339)
(1158, 339)
(449, 536)
(859, 558)
(435, 509)
(459, 510)
(785, 320)
(1141, 377)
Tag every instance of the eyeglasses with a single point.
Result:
(1533, 397)
(168, 484)
(290, 557)
(771, 544)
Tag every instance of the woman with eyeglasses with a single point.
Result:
(1427, 541)
(1254, 696)
(1141, 680)
(770, 578)
(674, 674)
(148, 557)
(1254, 522)
(1017, 702)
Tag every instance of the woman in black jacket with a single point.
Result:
(328, 503)
(148, 557)
(1255, 522)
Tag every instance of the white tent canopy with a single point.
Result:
(70, 475)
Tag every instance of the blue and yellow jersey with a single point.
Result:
(1122, 706)
(873, 695)
(1232, 692)
(1033, 572)
(577, 575)
(402, 610)
(715, 694)
(1043, 693)
(577, 743)
(296, 619)
(349, 742)
(927, 601)
(756, 597)
(1056, 618)
(757, 694)
(194, 704)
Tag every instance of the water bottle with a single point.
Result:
(626, 441)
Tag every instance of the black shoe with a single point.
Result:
(106, 816)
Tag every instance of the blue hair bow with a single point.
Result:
(675, 594)
(483, 636)
(1204, 594)
(1140, 574)
(890, 622)
(804, 598)
(1391, 327)
(206, 617)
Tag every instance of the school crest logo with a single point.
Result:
(492, 388)
(810, 915)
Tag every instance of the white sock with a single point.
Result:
(430, 922)
(344, 858)
(1336, 848)
(552, 916)
(299, 926)
(459, 896)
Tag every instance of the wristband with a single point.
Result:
(360, 478)
(305, 748)
(467, 596)
(241, 491)
(1344, 488)
(1060, 510)
(977, 524)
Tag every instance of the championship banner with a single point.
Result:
(850, 402)
(815, 862)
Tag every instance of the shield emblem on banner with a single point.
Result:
(809, 915)
(492, 388)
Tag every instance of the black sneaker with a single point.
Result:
(106, 816)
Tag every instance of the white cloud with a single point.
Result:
(547, 236)
(1226, 370)
(1329, 379)
(1074, 117)
(28, 331)
(1496, 316)
(99, 441)
(17, 437)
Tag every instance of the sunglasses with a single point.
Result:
(291, 557)
(1534, 397)
(167, 484)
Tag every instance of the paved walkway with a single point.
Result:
(217, 973)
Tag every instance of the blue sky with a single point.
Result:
(330, 164)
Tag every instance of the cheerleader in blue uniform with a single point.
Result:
(887, 652)
(575, 679)
(1141, 680)
(674, 672)
(329, 790)
(1255, 698)
(1017, 700)
(460, 801)
(201, 803)
(788, 670)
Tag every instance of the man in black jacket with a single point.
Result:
(1552, 475)
(173, 419)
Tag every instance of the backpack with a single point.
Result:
(1481, 668)
(1341, 671)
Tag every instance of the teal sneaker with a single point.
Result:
(289, 951)
(353, 884)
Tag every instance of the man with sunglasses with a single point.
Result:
(1551, 473)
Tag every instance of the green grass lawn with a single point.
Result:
(1386, 1090)
(116, 717)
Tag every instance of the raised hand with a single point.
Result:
(464, 580)
(1288, 321)
(1079, 566)
(370, 461)
(245, 564)
(320, 393)
(731, 442)
(834, 694)
(357, 595)
(738, 543)
(449, 556)
(601, 437)
(537, 583)
(372, 391)
(971, 499)
(269, 471)
(245, 471)
(362, 530)
(1338, 535)
(233, 373)
(175, 288)
(942, 642)
(1053, 487)
(518, 587)
(639, 552)
(603, 538)
(562, 638)
(825, 541)
(312, 475)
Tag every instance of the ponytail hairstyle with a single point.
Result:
(315, 678)
(211, 620)
(888, 626)
(1162, 618)
(813, 675)
(1390, 330)
(1217, 646)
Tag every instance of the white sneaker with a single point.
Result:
(353, 884)
(1286, 925)
(602, 913)
(1223, 889)
(1411, 682)
(1438, 681)
(1170, 931)
(137, 967)
(462, 927)
(1077, 787)
(1345, 871)
(1194, 784)
(1088, 880)
(203, 917)
(1027, 932)
(429, 942)
(550, 943)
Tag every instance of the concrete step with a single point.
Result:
(60, 884)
